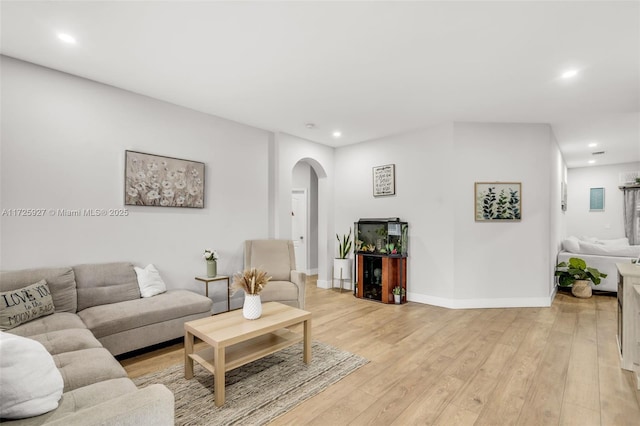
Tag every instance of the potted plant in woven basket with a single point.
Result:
(577, 274)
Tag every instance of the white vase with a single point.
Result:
(252, 307)
(343, 265)
(397, 299)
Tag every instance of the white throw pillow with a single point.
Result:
(615, 242)
(149, 281)
(30, 383)
(602, 250)
(588, 239)
(571, 244)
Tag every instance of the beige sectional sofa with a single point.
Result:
(98, 314)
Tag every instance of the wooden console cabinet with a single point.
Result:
(629, 317)
(379, 274)
(381, 258)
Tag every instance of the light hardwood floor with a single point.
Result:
(430, 365)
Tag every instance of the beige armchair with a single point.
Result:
(278, 259)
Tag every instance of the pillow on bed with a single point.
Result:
(30, 382)
(602, 250)
(614, 242)
(571, 244)
(588, 239)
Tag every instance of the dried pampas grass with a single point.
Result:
(251, 281)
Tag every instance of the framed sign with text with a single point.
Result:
(384, 180)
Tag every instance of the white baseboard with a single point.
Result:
(323, 284)
(326, 284)
(520, 302)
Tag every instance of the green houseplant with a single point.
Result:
(344, 245)
(577, 274)
(398, 292)
(342, 265)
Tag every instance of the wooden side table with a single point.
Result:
(207, 280)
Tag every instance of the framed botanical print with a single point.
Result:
(498, 201)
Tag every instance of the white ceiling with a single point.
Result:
(370, 69)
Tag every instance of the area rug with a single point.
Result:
(258, 392)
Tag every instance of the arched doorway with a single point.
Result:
(304, 215)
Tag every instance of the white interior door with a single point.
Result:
(299, 227)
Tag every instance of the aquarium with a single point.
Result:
(381, 236)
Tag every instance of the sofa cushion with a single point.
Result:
(59, 341)
(105, 320)
(25, 304)
(149, 281)
(82, 399)
(87, 366)
(57, 321)
(30, 382)
(61, 282)
(103, 283)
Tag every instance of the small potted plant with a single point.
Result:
(341, 264)
(398, 292)
(577, 274)
(211, 256)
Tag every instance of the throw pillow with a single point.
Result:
(25, 304)
(571, 244)
(615, 242)
(29, 380)
(149, 281)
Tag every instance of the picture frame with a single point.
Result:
(384, 180)
(498, 202)
(596, 199)
(160, 181)
(563, 196)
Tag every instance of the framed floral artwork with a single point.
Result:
(155, 180)
(498, 201)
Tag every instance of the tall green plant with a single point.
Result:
(344, 245)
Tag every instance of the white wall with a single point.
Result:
(608, 224)
(490, 258)
(557, 217)
(423, 198)
(304, 177)
(289, 150)
(453, 260)
(63, 143)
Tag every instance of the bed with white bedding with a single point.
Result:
(600, 254)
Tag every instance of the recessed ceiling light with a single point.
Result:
(570, 73)
(310, 126)
(593, 144)
(337, 134)
(66, 38)
(592, 161)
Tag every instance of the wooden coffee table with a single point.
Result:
(234, 341)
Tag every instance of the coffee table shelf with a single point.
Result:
(234, 341)
(250, 350)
